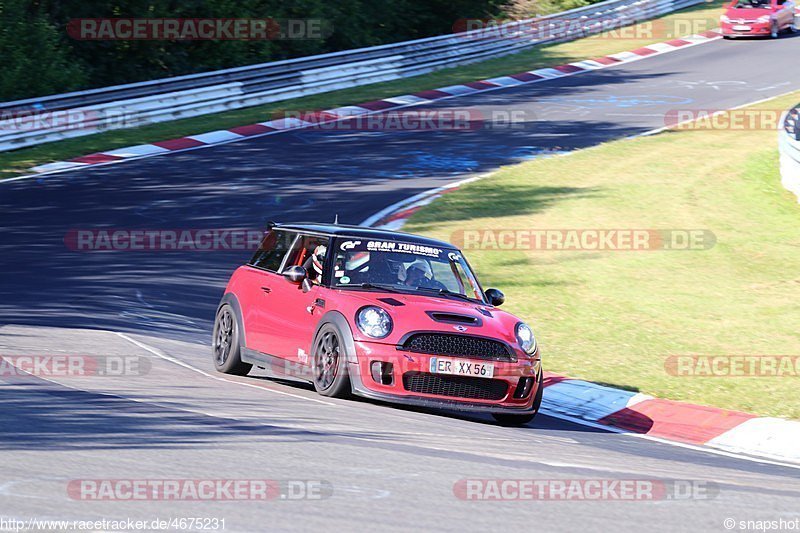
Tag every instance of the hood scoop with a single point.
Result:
(454, 318)
(391, 301)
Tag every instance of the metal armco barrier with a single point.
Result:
(789, 146)
(52, 118)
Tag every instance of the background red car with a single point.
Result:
(758, 18)
(384, 315)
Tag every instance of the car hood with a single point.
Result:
(747, 13)
(411, 312)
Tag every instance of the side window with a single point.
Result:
(309, 251)
(272, 250)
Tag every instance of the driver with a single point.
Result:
(417, 274)
(317, 260)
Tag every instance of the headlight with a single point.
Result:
(374, 322)
(725, 19)
(526, 339)
(763, 19)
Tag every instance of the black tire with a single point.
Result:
(505, 419)
(226, 346)
(329, 363)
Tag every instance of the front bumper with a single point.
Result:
(364, 384)
(755, 29)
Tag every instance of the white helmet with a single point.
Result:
(318, 258)
(419, 264)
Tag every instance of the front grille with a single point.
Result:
(457, 345)
(455, 386)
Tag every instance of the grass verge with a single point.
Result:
(690, 20)
(615, 317)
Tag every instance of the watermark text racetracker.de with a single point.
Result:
(63, 120)
(193, 490)
(733, 366)
(632, 490)
(162, 240)
(197, 29)
(612, 28)
(591, 239)
(73, 366)
(746, 119)
(455, 119)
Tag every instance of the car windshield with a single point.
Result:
(403, 267)
(753, 4)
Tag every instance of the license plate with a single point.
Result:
(457, 367)
(739, 27)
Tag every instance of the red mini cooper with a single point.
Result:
(380, 314)
(758, 17)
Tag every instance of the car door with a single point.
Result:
(301, 305)
(260, 291)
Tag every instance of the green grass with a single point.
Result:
(703, 16)
(614, 317)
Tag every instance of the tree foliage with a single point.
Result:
(39, 57)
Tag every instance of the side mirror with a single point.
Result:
(495, 297)
(295, 274)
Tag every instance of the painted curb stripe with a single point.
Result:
(568, 69)
(431, 94)
(526, 77)
(481, 85)
(178, 144)
(378, 105)
(96, 158)
(644, 51)
(693, 424)
(252, 129)
(138, 150)
(607, 60)
(215, 137)
(585, 400)
(677, 42)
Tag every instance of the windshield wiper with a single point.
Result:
(445, 292)
(378, 286)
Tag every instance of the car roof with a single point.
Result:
(360, 232)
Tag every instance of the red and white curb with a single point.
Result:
(722, 431)
(395, 216)
(272, 127)
(735, 432)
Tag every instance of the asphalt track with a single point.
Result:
(390, 468)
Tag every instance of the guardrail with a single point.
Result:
(58, 117)
(789, 146)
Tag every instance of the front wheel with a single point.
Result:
(225, 345)
(330, 364)
(505, 419)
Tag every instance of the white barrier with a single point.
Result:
(789, 146)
